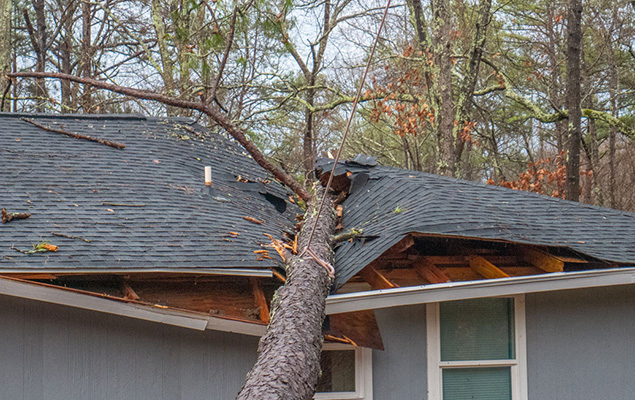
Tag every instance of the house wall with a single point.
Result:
(51, 352)
(581, 344)
(399, 372)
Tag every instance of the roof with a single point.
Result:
(389, 203)
(144, 207)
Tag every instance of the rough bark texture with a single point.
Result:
(5, 47)
(87, 48)
(574, 32)
(288, 355)
(444, 107)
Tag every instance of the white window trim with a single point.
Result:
(518, 365)
(363, 375)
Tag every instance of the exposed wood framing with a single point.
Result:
(486, 268)
(375, 279)
(359, 327)
(128, 291)
(430, 272)
(261, 300)
(401, 246)
(279, 276)
(544, 261)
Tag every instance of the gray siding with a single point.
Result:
(581, 344)
(399, 372)
(50, 352)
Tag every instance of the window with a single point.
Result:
(476, 349)
(346, 373)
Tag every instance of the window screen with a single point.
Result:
(481, 329)
(338, 371)
(477, 383)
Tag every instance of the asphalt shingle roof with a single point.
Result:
(64, 182)
(388, 203)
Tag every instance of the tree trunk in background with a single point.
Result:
(574, 33)
(613, 87)
(444, 107)
(554, 88)
(289, 353)
(66, 53)
(87, 48)
(41, 38)
(467, 86)
(167, 74)
(6, 6)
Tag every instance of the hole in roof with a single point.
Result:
(277, 202)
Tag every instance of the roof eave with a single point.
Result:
(385, 298)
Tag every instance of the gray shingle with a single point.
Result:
(63, 182)
(394, 202)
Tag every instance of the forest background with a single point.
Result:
(479, 90)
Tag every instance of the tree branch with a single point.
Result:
(214, 113)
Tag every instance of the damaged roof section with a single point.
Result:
(387, 204)
(142, 207)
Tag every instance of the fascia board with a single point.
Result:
(33, 291)
(385, 298)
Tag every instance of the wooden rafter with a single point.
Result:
(260, 299)
(401, 246)
(486, 268)
(544, 261)
(375, 279)
(430, 272)
(128, 291)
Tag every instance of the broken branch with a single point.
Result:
(344, 236)
(8, 217)
(70, 237)
(105, 203)
(76, 135)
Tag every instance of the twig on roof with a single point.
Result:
(106, 203)
(344, 236)
(70, 237)
(76, 135)
(8, 217)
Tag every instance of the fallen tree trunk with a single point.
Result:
(289, 353)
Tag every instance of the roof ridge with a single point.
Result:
(123, 116)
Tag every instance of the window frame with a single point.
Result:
(363, 374)
(518, 365)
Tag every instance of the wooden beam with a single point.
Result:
(260, 299)
(544, 261)
(430, 272)
(128, 291)
(486, 268)
(375, 279)
(402, 245)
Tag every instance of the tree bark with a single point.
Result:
(66, 52)
(6, 7)
(574, 32)
(87, 48)
(444, 107)
(613, 87)
(288, 354)
(167, 74)
(39, 40)
(468, 84)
